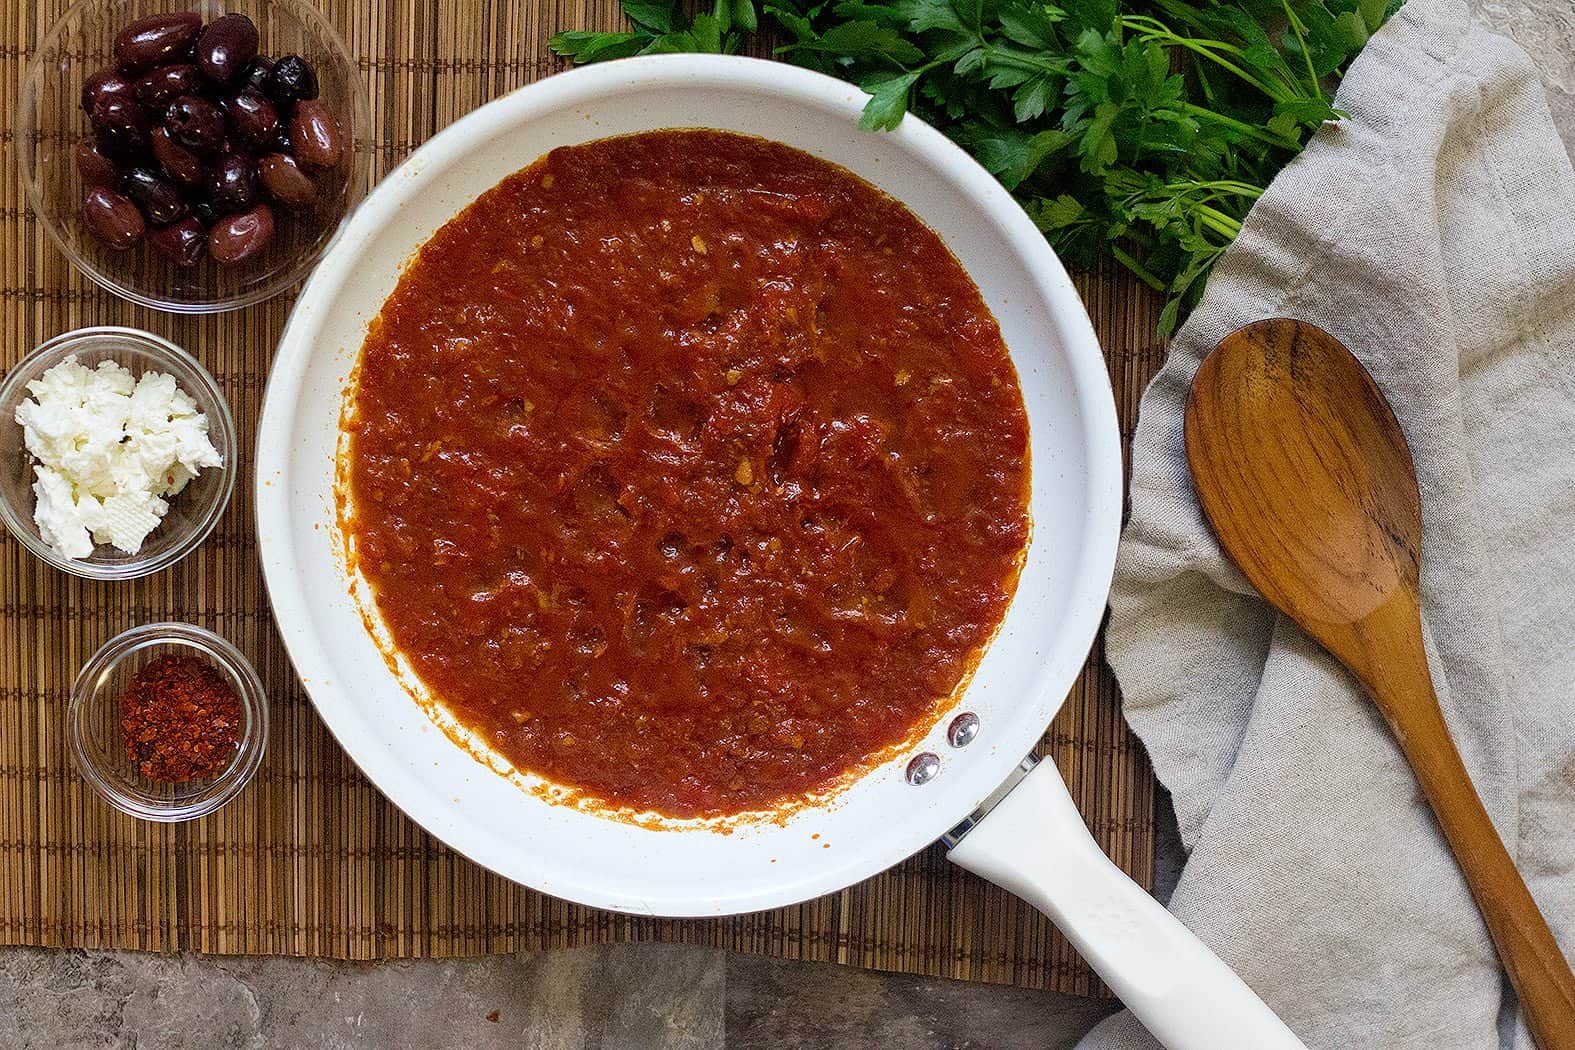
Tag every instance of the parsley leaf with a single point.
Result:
(888, 101)
(663, 28)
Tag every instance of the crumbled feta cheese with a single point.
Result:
(109, 448)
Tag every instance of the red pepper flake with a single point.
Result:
(180, 719)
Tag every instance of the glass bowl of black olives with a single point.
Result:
(193, 156)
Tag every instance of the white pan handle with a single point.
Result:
(1034, 843)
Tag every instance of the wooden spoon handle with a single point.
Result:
(1526, 947)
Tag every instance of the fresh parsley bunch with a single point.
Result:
(1138, 129)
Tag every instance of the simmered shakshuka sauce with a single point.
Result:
(688, 470)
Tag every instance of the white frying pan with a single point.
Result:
(1031, 839)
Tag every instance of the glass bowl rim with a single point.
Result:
(289, 277)
(208, 393)
(85, 690)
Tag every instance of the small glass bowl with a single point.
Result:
(50, 123)
(93, 723)
(193, 512)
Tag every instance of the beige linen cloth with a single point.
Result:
(1434, 234)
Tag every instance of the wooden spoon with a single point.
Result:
(1307, 480)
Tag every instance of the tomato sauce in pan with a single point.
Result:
(688, 470)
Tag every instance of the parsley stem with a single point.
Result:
(1218, 221)
(1224, 186)
(1143, 274)
(1201, 69)
(1153, 30)
(1246, 129)
(1301, 45)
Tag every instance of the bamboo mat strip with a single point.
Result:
(311, 860)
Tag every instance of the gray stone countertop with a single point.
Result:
(625, 997)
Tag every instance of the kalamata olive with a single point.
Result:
(111, 218)
(178, 162)
(95, 168)
(195, 123)
(253, 122)
(122, 130)
(225, 47)
(158, 88)
(232, 185)
(110, 110)
(255, 75)
(125, 144)
(293, 80)
(242, 236)
(316, 135)
(156, 38)
(283, 143)
(285, 182)
(158, 198)
(104, 83)
(204, 212)
(182, 242)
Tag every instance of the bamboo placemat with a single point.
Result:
(311, 860)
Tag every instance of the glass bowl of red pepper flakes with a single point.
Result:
(168, 721)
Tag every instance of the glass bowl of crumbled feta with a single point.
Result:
(116, 453)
